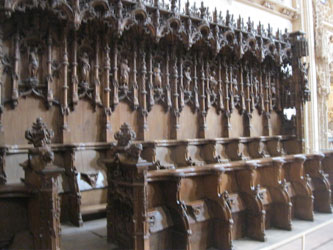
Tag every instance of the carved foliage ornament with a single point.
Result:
(125, 138)
(39, 135)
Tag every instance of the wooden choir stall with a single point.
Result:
(172, 120)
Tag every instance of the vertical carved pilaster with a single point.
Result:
(252, 91)
(176, 112)
(202, 90)
(228, 97)
(15, 75)
(64, 104)
(167, 80)
(220, 103)
(150, 77)
(243, 99)
(135, 82)
(207, 87)
(181, 84)
(97, 83)
(248, 112)
(278, 93)
(49, 77)
(261, 104)
(143, 92)
(75, 80)
(195, 79)
(107, 90)
(115, 74)
(267, 115)
(231, 88)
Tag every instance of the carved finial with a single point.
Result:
(227, 18)
(269, 30)
(39, 135)
(173, 5)
(203, 10)
(125, 136)
(220, 17)
(187, 8)
(215, 16)
(239, 22)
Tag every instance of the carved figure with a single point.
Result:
(212, 81)
(33, 64)
(188, 78)
(157, 77)
(85, 68)
(124, 73)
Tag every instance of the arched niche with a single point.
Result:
(85, 123)
(159, 124)
(17, 121)
(214, 124)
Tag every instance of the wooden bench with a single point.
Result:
(194, 198)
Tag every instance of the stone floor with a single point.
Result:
(92, 236)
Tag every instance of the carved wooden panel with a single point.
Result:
(75, 56)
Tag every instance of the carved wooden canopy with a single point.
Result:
(146, 53)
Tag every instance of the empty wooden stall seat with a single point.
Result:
(327, 166)
(261, 185)
(320, 184)
(200, 213)
(298, 186)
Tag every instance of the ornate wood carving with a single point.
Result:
(188, 58)
(40, 175)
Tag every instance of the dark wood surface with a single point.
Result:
(186, 107)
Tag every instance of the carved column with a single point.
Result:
(15, 76)
(97, 83)
(227, 98)
(49, 77)
(202, 97)
(115, 81)
(135, 82)
(75, 79)
(175, 95)
(267, 112)
(66, 137)
(143, 93)
(247, 99)
(107, 90)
